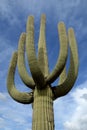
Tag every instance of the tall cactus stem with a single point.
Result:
(43, 116)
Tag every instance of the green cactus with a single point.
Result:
(43, 94)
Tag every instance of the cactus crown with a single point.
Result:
(41, 77)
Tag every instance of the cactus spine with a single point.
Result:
(43, 94)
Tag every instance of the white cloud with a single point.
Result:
(78, 119)
(13, 115)
(2, 123)
(70, 111)
(63, 108)
(2, 97)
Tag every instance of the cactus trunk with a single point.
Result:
(43, 116)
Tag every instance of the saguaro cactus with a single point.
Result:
(43, 93)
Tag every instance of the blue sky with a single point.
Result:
(70, 111)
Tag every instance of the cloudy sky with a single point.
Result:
(70, 111)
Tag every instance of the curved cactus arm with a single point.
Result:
(62, 54)
(32, 60)
(67, 85)
(21, 63)
(42, 52)
(62, 76)
(21, 97)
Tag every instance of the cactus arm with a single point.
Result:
(21, 97)
(62, 54)
(42, 52)
(67, 85)
(21, 63)
(32, 60)
(62, 76)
